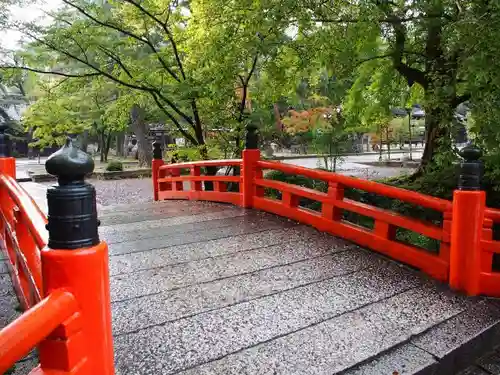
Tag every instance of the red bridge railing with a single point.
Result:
(60, 274)
(465, 255)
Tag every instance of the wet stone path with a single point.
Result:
(201, 288)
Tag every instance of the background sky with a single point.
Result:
(11, 39)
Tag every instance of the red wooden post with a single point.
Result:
(248, 171)
(156, 164)
(75, 260)
(335, 193)
(467, 225)
(195, 185)
(251, 155)
(85, 338)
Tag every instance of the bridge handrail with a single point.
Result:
(203, 163)
(35, 218)
(438, 204)
(26, 234)
(168, 181)
(18, 338)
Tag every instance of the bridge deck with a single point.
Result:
(207, 289)
(202, 288)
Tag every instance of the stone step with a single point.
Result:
(180, 224)
(178, 254)
(168, 306)
(153, 211)
(136, 284)
(446, 348)
(322, 328)
(198, 232)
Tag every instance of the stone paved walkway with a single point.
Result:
(202, 288)
(208, 289)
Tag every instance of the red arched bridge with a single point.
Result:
(264, 285)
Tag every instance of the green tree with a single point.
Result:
(393, 45)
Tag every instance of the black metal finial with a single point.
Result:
(471, 169)
(252, 137)
(157, 152)
(72, 204)
(5, 144)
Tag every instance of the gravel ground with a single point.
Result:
(112, 192)
(136, 190)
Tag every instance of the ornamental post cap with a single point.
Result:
(69, 163)
(471, 153)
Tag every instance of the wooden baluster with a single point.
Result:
(467, 225)
(444, 248)
(384, 230)
(220, 186)
(195, 185)
(29, 250)
(156, 164)
(486, 256)
(290, 200)
(329, 210)
(249, 170)
(177, 185)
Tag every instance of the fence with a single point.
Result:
(59, 270)
(465, 255)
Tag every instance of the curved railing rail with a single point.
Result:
(35, 325)
(170, 182)
(25, 235)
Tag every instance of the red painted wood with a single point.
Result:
(203, 163)
(437, 204)
(394, 219)
(201, 178)
(490, 284)
(466, 231)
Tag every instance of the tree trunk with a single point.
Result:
(31, 151)
(120, 145)
(435, 133)
(84, 144)
(107, 146)
(102, 146)
(144, 149)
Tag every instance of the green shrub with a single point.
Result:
(114, 166)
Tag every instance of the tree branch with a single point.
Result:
(245, 86)
(174, 120)
(115, 79)
(112, 56)
(52, 72)
(126, 32)
(360, 62)
(164, 26)
(391, 19)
